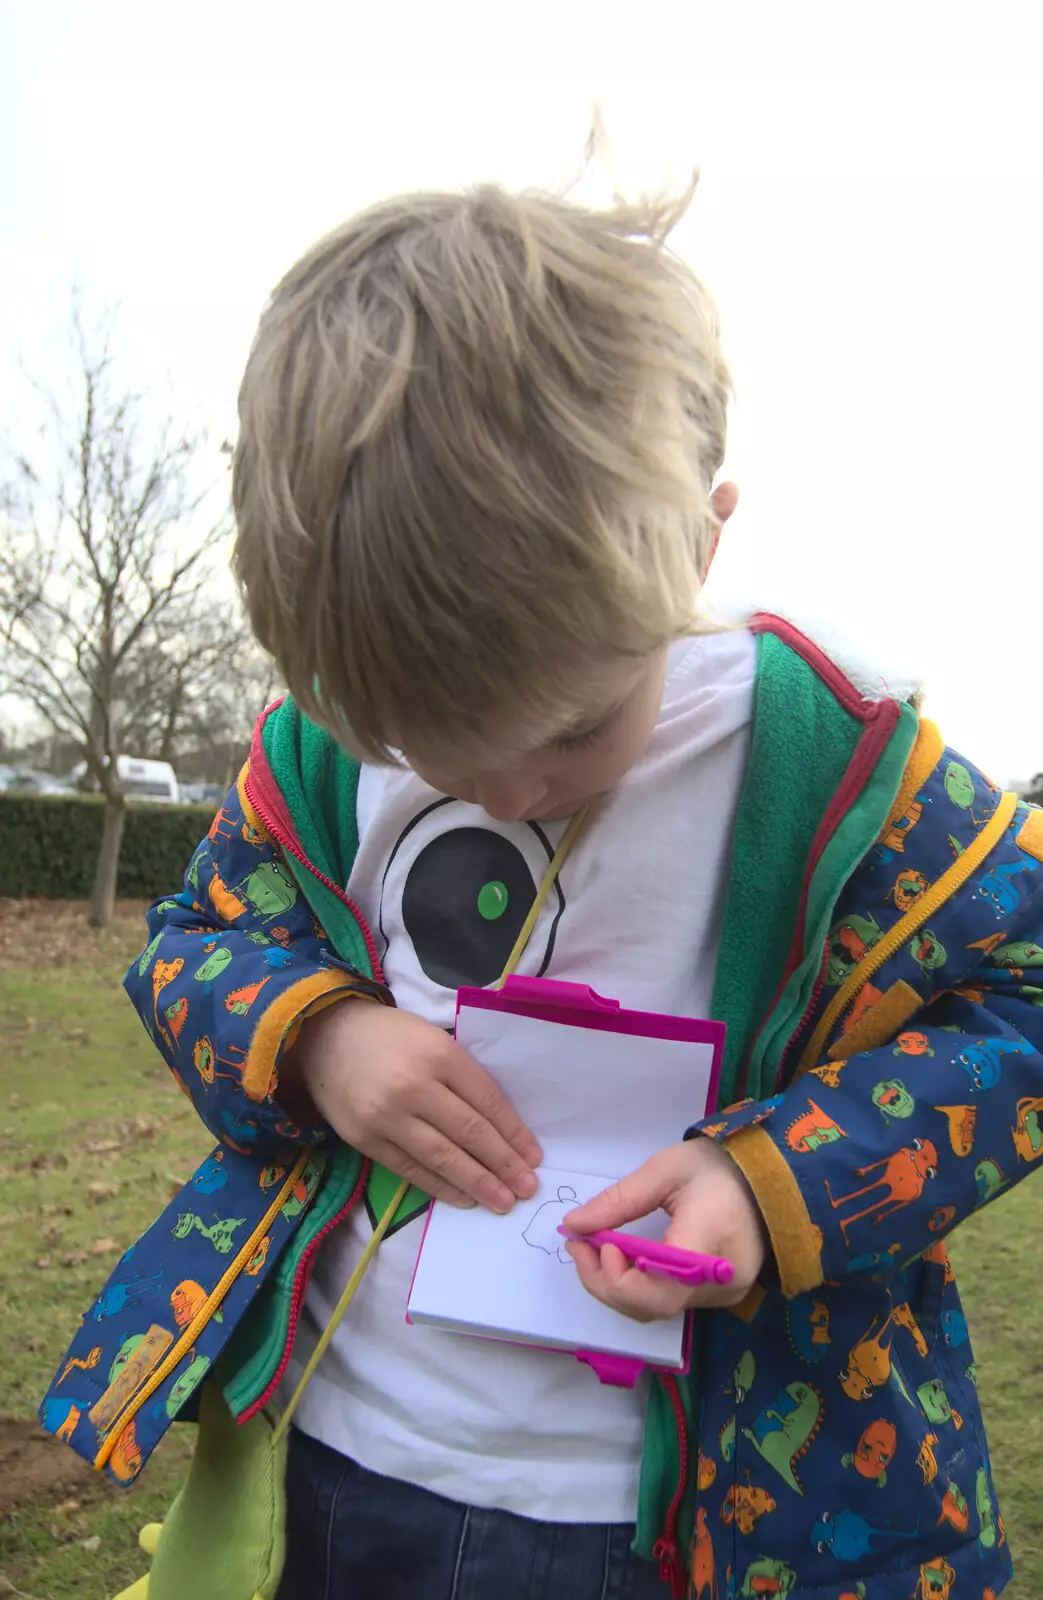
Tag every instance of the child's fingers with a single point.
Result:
(466, 1129)
(437, 1153)
(609, 1277)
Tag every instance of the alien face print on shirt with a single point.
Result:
(453, 897)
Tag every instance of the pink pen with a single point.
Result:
(665, 1260)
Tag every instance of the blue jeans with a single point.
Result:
(353, 1535)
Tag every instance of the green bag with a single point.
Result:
(239, 1550)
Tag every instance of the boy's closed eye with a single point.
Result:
(567, 742)
(583, 732)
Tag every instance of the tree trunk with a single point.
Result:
(104, 893)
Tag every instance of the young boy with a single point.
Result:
(473, 488)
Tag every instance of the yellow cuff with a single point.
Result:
(280, 1024)
(796, 1241)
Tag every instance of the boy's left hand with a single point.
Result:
(712, 1209)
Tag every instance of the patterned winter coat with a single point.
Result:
(881, 976)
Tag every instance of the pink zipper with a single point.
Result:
(301, 1280)
(666, 1550)
(290, 845)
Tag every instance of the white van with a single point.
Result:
(152, 781)
(148, 780)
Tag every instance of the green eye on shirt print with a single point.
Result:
(454, 897)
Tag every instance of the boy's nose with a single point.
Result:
(510, 797)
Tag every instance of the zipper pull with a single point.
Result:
(671, 1567)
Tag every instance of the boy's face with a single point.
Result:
(585, 759)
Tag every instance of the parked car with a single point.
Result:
(26, 780)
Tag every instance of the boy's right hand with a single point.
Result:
(405, 1094)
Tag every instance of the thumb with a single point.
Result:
(637, 1195)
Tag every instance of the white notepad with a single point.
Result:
(601, 1102)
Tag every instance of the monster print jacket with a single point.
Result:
(881, 976)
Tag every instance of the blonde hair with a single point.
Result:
(478, 434)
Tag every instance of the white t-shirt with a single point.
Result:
(636, 915)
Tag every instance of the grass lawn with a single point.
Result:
(94, 1138)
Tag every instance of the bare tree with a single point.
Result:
(190, 682)
(105, 545)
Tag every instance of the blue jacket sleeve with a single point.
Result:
(234, 964)
(868, 1161)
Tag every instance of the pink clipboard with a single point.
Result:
(579, 1006)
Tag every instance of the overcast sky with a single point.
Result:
(868, 218)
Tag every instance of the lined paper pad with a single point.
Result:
(600, 1104)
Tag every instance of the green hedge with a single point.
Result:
(49, 846)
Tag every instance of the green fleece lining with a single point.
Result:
(802, 742)
(319, 783)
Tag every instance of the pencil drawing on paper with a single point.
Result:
(541, 1233)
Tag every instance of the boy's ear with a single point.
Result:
(723, 501)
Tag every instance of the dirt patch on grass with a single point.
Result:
(36, 1470)
(38, 934)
